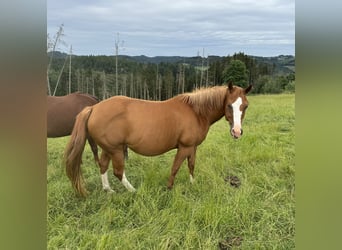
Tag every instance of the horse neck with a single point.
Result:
(210, 115)
(213, 112)
(208, 104)
(214, 115)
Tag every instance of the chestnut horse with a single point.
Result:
(152, 128)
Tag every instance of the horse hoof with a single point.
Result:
(132, 190)
(108, 190)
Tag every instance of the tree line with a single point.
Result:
(103, 76)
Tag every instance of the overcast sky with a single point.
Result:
(175, 27)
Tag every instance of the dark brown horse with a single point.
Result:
(62, 112)
(152, 128)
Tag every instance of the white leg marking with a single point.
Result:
(126, 183)
(105, 182)
(192, 180)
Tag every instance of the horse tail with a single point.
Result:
(74, 150)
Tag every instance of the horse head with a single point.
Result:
(236, 104)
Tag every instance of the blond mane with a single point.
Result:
(204, 100)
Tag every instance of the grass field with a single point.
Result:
(209, 214)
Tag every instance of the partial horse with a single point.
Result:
(152, 128)
(62, 112)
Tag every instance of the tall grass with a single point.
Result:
(209, 214)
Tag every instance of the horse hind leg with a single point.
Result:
(103, 164)
(118, 158)
(126, 152)
(94, 149)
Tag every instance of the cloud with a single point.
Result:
(154, 27)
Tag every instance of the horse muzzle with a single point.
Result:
(236, 133)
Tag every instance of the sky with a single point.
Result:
(174, 27)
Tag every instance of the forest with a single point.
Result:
(160, 78)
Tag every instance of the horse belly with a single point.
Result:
(59, 124)
(151, 149)
(152, 142)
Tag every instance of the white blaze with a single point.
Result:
(237, 114)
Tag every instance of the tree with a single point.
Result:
(117, 43)
(51, 46)
(236, 72)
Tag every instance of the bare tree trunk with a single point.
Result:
(117, 43)
(144, 90)
(131, 87)
(124, 85)
(59, 76)
(214, 75)
(82, 80)
(93, 81)
(196, 70)
(116, 67)
(70, 70)
(171, 90)
(207, 81)
(183, 79)
(201, 82)
(157, 80)
(160, 87)
(78, 75)
(48, 83)
(180, 79)
(141, 89)
(87, 84)
(58, 36)
(104, 86)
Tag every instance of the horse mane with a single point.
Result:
(204, 100)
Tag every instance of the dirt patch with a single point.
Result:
(233, 180)
(230, 242)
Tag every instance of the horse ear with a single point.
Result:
(230, 86)
(246, 90)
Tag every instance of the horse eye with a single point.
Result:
(230, 106)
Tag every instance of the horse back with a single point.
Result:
(62, 111)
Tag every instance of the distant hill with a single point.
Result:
(195, 60)
(282, 63)
(155, 59)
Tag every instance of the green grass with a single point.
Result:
(261, 211)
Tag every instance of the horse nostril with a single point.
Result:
(236, 134)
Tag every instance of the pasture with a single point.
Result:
(243, 196)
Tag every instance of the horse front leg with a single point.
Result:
(182, 153)
(191, 164)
